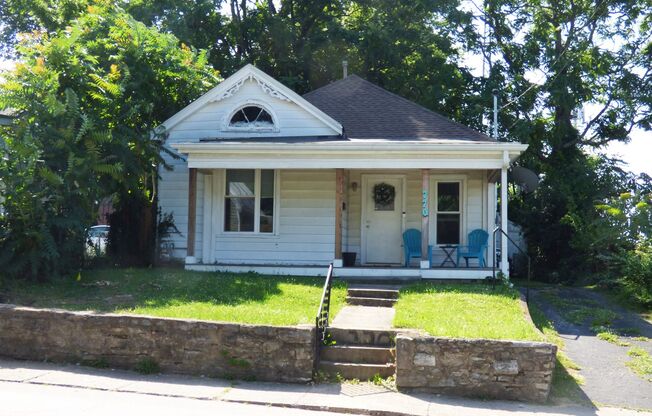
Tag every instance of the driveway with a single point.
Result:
(608, 381)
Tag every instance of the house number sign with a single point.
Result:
(424, 204)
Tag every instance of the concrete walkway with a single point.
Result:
(363, 399)
(364, 317)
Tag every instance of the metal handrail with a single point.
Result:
(503, 257)
(323, 313)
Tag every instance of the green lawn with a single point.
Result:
(244, 298)
(464, 311)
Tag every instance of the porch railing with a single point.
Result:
(503, 257)
(323, 313)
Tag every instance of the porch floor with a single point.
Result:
(357, 273)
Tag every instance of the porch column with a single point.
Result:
(192, 214)
(339, 197)
(425, 217)
(504, 264)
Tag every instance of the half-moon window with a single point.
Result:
(251, 116)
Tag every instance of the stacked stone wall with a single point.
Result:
(213, 349)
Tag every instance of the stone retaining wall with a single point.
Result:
(511, 370)
(213, 349)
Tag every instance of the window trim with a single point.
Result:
(256, 232)
(226, 123)
(434, 211)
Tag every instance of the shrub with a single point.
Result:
(636, 280)
(148, 366)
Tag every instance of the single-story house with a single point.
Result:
(270, 181)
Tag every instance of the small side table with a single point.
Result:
(448, 250)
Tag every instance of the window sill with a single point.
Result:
(248, 235)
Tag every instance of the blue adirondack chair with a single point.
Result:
(475, 249)
(412, 246)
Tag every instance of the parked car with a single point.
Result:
(97, 238)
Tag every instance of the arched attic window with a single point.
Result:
(251, 117)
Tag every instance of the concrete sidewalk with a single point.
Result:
(363, 399)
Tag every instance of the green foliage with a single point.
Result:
(87, 97)
(51, 182)
(147, 366)
(626, 220)
(96, 363)
(636, 277)
(641, 363)
(552, 61)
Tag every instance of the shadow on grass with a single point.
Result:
(108, 290)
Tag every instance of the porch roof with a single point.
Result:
(349, 153)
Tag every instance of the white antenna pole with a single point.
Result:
(495, 92)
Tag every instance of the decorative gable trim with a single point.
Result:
(230, 86)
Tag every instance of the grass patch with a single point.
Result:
(613, 338)
(464, 311)
(641, 363)
(147, 366)
(579, 310)
(243, 298)
(566, 380)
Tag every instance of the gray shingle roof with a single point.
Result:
(368, 111)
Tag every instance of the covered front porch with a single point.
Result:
(291, 212)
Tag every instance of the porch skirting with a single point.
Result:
(472, 273)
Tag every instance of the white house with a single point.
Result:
(278, 183)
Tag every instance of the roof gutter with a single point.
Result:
(350, 147)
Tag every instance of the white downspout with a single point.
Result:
(504, 265)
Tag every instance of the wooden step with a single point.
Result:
(356, 371)
(373, 293)
(369, 337)
(364, 301)
(360, 354)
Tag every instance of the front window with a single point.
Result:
(448, 212)
(249, 200)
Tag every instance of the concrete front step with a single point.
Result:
(360, 354)
(363, 301)
(369, 337)
(373, 293)
(358, 371)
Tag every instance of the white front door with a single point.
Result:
(382, 222)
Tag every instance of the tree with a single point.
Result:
(54, 168)
(26, 16)
(592, 56)
(105, 73)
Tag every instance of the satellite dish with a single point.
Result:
(525, 178)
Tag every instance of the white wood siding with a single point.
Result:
(173, 198)
(208, 121)
(306, 232)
